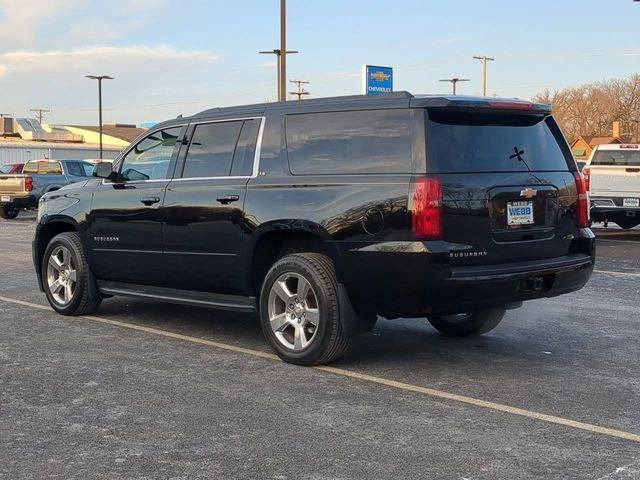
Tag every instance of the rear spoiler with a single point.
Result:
(484, 103)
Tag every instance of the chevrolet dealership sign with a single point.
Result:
(376, 80)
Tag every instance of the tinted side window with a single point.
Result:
(211, 150)
(73, 168)
(87, 168)
(246, 149)
(150, 158)
(367, 141)
(492, 142)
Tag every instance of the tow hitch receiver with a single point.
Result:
(534, 284)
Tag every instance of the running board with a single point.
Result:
(235, 303)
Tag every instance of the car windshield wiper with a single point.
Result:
(519, 155)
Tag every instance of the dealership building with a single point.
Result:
(24, 139)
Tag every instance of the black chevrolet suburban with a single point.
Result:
(320, 215)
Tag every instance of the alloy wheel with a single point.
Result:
(293, 311)
(61, 275)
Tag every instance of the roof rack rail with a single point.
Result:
(312, 101)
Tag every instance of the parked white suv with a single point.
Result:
(612, 175)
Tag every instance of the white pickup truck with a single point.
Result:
(612, 175)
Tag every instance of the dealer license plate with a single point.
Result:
(519, 213)
(631, 202)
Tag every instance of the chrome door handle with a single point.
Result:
(150, 200)
(228, 199)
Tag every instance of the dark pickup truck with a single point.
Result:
(22, 191)
(321, 214)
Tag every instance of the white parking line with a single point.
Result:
(600, 239)
(622, 274)
(360, 376)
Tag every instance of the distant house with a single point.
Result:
(582, 147)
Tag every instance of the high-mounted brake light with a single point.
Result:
(425, 205)
(582, 206)
(28, 184)
(511, 105)
(586, 174)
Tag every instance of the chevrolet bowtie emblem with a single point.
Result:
(528, 193)
(380, 76)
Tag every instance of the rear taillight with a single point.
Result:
(582, 207)
(425, 206)
(28, 184)
(586, 174)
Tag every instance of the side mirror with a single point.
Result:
(103, 170)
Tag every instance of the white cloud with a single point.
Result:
(143, 74)
(99, 56)
(21, 19)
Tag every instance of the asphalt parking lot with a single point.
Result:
(144, 390)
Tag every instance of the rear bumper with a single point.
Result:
(469, 290)
(416, 284)
(603, 205)
(21, 201)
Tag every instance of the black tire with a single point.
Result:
(330, 340)
(468, 324)
(8, 211)
(85, 298)
(628, 222)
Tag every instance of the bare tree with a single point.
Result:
(591, 109)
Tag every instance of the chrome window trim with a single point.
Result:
(256, 155)
(118, 160)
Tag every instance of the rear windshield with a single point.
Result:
(44, 168)
(622, 158)
(493, 142)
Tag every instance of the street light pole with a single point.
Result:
(281, 53)
(99, 78)
(276, 52)
(453, 81)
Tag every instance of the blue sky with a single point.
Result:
(172, 57)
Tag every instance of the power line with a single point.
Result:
(40, 113)
(484, 59)
(300, 91)
(453, 81)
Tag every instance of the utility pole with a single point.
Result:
(40, 113)
(99, 78)
(453, 81)
(484, 59)
(300, 91)
(281, 53)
